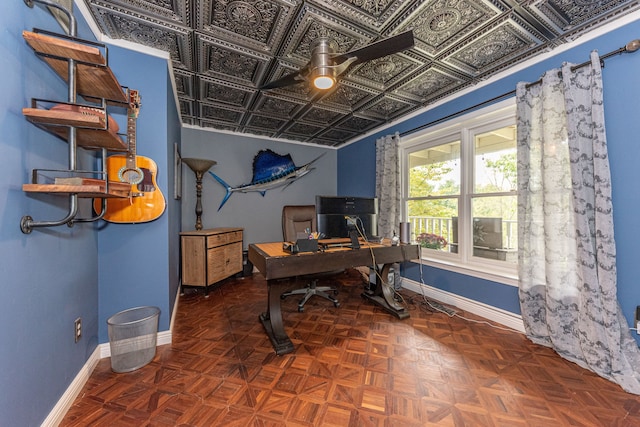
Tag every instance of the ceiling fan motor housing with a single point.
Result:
(321, 61)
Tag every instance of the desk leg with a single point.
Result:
(383, 296)
(272, 319)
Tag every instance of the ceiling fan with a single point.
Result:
(326, 66)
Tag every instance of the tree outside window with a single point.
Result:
(461, 194)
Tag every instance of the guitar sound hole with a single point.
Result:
(131, 176)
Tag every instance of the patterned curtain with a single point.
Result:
(388, 191)
(567, 254)
(388, 184)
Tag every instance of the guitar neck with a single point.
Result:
(132, 115)
(131, 137)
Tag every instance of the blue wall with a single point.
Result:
(134, 258)
(357, 169)
(55, 275)
(622, 96)
(50, 276)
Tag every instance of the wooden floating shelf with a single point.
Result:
(83, 65)
(94, 78)
(83, 187)
(90, 131)
(63, 118)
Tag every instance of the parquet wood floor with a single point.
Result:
(354, 365)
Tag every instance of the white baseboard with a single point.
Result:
(494, 314)
(64, 403)
(101, 351)
(163, 338)
(58, 412)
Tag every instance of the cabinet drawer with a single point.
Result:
(223, 238)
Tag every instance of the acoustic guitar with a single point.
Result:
(146, 202)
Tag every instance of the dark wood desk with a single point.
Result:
(274, 263)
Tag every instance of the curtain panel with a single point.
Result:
(388, 184)
(567, 254)
(388, 191)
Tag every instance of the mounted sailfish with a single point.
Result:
(270, 170)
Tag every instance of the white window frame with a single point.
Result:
(462, 128)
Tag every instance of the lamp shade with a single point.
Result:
(198, 165)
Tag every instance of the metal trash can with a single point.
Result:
(133, 335)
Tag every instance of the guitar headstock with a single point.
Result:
(134, 103)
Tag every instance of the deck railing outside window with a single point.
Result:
(444, 227)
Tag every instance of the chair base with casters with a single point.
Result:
(297, 221)
(311, 290)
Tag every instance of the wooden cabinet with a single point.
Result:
(209, 256)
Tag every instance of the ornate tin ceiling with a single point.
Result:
(222, 51)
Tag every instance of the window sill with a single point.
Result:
(505, 276)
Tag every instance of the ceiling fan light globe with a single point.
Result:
(323, 82)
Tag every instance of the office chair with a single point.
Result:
(298, 221)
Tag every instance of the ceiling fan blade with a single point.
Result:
(287, 80)
(379, 49)
(343, 61)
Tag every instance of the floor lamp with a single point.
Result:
(199, 167)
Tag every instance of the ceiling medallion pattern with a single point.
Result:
(370, 14)
(358, 124)
(219, 93)
(338, 134)
(250, 20)
(387, 107)
(493, 48)
(348, 96)
(227, 62)
(429, 84)
(372, 7)
(278, 107)
(184, 84)
(223, 50)
(264, 122)
(385, 69)
(579, 10)
(322, 116)
(215, 113)
(440, 22)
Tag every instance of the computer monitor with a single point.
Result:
(332, 213)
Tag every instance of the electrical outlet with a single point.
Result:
(78, 329)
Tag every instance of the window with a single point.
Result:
(460, 193)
